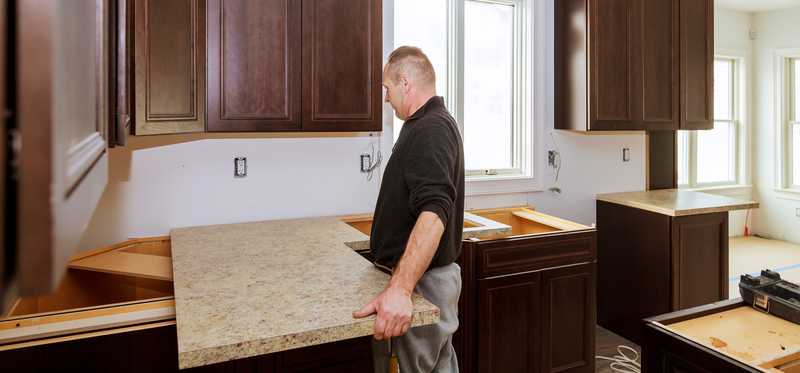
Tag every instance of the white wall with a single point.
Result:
(776, 217)
(158, 183)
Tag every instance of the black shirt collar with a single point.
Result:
(434, 102)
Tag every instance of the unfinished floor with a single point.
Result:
(752, 254)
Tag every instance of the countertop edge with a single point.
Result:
(361, 328)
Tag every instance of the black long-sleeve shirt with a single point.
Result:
(424, 173)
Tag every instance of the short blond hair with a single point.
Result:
(412, 62)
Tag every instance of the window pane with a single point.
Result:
(423, 24)
(488, 96)
(716, 159)
(683, 157)
(796, 154)
(797, 90)
(723, 89)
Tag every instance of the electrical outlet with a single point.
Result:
(240, 167)
(551, 158)
(626, 154)
(366, 162)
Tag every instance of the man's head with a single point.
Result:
(409, 80)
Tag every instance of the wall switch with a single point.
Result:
(797, 212)
(240, 167)
(626, 154)
(366, 162)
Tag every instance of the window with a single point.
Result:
(711, 157)
(793, 130)
(478, 49)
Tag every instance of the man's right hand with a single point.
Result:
(394, 309)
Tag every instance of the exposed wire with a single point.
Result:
(622, 362)
(376, 163)
(557, 160)
(747, 223)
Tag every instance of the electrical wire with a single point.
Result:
(375, 165)
(622, 362)
(557, 160)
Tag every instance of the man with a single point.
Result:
(418, 221)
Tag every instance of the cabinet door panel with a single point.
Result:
(342, 65)
(700, 252)
(612, 43)
(568, 324)
(658, 77)
(253, 65)
(697, 64)
(508, 325)
(170, 66)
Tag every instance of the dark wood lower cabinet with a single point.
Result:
(535, 312)
(651, 264)
(156, 350)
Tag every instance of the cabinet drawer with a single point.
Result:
(521, 254)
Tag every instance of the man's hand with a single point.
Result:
(394, 308)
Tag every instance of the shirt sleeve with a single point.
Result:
(429, 169)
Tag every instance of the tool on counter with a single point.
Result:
(770, 294)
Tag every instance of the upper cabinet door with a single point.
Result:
(657, 70)
(254, 65)
(612, 100)
(170, 66)
(342, 47)
(62, 69)
(697, 64)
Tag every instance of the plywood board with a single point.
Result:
(130, 264)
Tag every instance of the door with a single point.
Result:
(656, 72)
(62, 119)
(342, 73)
(568, 319)
(508, 326)
(254, 65)
(612, 58)
(170, 66)
(697, 64)
(699, 260)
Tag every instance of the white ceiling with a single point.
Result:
(757, 5)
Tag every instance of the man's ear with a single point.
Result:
(404, 83)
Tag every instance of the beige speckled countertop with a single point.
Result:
(249, 289)
(674, 202)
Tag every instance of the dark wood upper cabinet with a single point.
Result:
(254, 50)
(170, 66)
(62, 116)
(342, 48)
(697, 64)
(625, 64)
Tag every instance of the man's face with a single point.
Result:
(394, 93)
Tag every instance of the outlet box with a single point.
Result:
(366, 162)
(551, 158)
(240, 167)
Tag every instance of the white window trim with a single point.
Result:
(742, 177)
(530, 43)
(530, 99)
(783, 115)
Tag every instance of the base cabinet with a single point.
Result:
(156, 350)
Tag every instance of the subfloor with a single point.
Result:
(752, 254)
(606, 344)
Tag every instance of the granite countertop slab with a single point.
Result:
(249, 289)
(674, 202)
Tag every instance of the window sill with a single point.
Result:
(789, 194)
(728, 190)
(501, 184)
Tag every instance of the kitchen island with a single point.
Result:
(660, 251)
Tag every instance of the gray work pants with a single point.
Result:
(426, 349)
